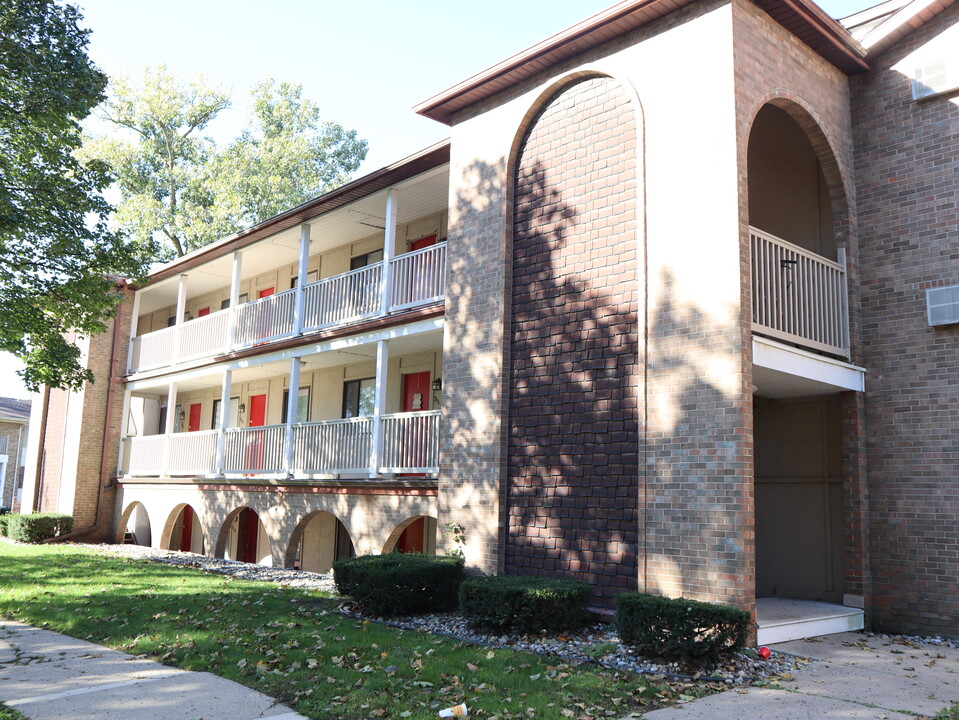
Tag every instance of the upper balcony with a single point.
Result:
(381, 254)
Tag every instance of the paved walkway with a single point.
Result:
(49, 676)
(856, 677)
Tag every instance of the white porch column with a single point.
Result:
(124, 424)
(302, 271)
(225, 392)
(389, 250)
(234, 296)
(134, 318)
(292, 406)
(180, 311)
(379, 406)
(168, 429)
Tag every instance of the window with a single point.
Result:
(234, 419)
(358, 397)
(361, 261)
(302, 405)
(225, 302)
(311, 276)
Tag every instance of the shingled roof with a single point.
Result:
(13, 410)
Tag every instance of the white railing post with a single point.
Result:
(379, 406)
(225, 392)
(389, 250)
(134, 319)
(292, 403)
(234, 297)
(124, 424)
(180, 312)
(168, 429)
(302, 271)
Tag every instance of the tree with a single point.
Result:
(58, 259)
(284, 158)
(159, 158)
(182, 189)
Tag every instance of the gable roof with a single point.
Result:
(882, 26)
(803, 18)
(13, 410)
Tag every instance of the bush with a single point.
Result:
(37, 527)
(4, 519)
(400, 583)
(688, 631)
(524, 603)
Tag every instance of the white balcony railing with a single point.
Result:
(255, 450)
(333, 446)
(4, 442)
(799, 296)
(416, 279)
(410, 442)
(328, 447)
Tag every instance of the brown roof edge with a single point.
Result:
(837, 46)
(408, 167)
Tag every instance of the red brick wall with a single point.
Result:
(573, 409)
(907, 156)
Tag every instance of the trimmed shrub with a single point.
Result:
(38, 527)
(4, 519)
(522, 603)
(400, 583)
(687, 631)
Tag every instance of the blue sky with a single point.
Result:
(365, 62)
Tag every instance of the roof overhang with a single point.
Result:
(801, 17)
(901, 18)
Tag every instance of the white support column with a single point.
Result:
(301, 273)
(292, 407)
(225, 393)
(124, 424)
(168, 428)
(389, 250)
(234, 296)
(379, 406)
(180, 311)
(134, 318)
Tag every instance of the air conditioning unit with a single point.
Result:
(934, 78)
(942, 305)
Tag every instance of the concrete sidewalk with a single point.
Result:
(856, 676)
(49, 676)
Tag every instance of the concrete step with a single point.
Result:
(783, 619)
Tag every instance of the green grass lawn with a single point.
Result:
(10, 714)
(294, 646)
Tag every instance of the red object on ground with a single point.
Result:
(764, 653)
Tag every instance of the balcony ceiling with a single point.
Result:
(418, 197)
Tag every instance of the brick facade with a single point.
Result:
(574, 380)
(907, 161)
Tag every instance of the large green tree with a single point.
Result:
(58, 259)
(180, 188)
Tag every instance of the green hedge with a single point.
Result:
(688, 631)
(518, 603)
(4, 519)
(37, 527)
(400, 583)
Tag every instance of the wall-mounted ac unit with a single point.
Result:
(934, 78)
(942, 305)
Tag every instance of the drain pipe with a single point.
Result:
(106, 482)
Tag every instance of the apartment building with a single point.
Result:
(14, 424)
(673, 310)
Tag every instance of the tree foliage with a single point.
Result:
(58, 258)
(182, 189)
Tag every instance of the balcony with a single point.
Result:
(798, 296)
(409, 444)
(412, 280)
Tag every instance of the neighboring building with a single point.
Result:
(14, 423)
(675, 309)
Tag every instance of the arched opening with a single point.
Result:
(319, 540)
(789, 195)
(134, 526)
(186, 534)
(415, 535)
(243, 537)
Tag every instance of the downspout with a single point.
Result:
(105, 481)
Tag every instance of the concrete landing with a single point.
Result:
(854, 677)
(782, 619)
(48, 676)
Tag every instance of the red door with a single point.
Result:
(265, 292)
(416, 398)
(423, 242)
(255, 448)
(194, 425)
(202, 312)
(186, 537)
(411, 541)
(248, 527)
